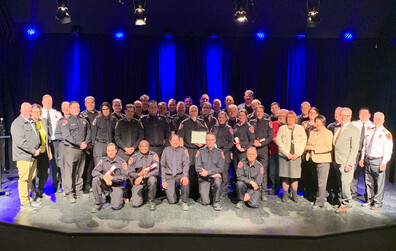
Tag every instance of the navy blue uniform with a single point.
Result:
(245, 174)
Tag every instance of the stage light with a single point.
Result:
(240, 11)
(168, 35)
(313, 13)
(213, 36)
(31, 32)
(348, 36)
(140, 12)
(301, 36)
(119, 35)
(62, 14)
(260, 35)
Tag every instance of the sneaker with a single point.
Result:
(28, 207)
(96, 208)
(264, 197)
(82, 196)
(217, 206)
(239, 205)
(35, 195)
(184, 206)
(36, 203)
(71, 200)
(152, 206)
(367, 204)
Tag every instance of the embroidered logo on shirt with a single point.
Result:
(251, 129)
(64, 122)
(240, 164)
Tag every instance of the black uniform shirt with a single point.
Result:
(139, 161)
(128, 133)
(248, 173)
(187, 126)
(224, 137)
(202, 160)
(76, 130)
(156, 129)
(119, 175)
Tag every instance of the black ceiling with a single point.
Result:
(278, 18)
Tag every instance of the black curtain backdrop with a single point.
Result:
(326, 72)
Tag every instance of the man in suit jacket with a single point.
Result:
(346, 146)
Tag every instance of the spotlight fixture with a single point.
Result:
(313, 13)
(140, 12)
(119, 35)
(240, 11)
(31, 32)
(62, 14)
(348, 36)
(260, 35)
(301, 35)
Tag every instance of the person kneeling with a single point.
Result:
(249, 174)
(143, 169)
(109, 175)
(209, 164)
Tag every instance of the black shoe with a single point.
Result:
(96, 208)
(87, 189)
(152, 205)
(295, 197)
(34, 195)
(285, 197)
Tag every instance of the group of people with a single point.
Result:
(185, 150)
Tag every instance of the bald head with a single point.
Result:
(26, 110)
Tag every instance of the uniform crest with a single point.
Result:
(262, 170)
(240, 164)
(197, 154)
(124, 165)
(388, 136)
(130, 161)
(222, 154)
(155, 157)
(180, 126)
(251, 129)
(231, 131)
(99, 163)
(186, 152)
(94, 122)
(64, 122)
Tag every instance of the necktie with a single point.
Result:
(370, 146)
(174, 165)
(144, 161)
(363, 132)
(339, 133)
(48, 118)
(292, 142)
(209, 160)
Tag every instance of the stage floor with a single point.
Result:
(273, 218)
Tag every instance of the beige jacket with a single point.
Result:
(323, 144)
(283, 140)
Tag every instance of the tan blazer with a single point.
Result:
(347, 146)
(322, 143)
(283, 140)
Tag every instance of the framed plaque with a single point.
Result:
(198, 137)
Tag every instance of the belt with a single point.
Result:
(156, 145)
(103, 142)
(372, 158)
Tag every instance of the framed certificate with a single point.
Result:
(198, 137)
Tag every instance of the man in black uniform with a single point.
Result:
(180, 116)
(174, 171)
(188, 103)
(216, 107)
(109, 175)
(232, 112)
(225, 142)
(144, 169)
(250, 176)
(264, 134)
(77, 135)
(172, 107)
(156, 129)
(206, 116)
(117, 107)
(138, 110)
(209, 164)
(185, 132)
(249, 96)
(128, 133)
(145, 104)
(89, 114)
(274, 110)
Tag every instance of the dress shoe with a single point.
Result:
(295, 197)
(239, 205)
(367, 204)
(285, 197)
(342, 209)
(71, 200)
(96, 208)
(152, 205)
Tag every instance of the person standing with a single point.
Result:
(291, 141)
(376, 154)
(346, 147)
(117, 108)
(77, 133)
(26, 146)
(52, 116)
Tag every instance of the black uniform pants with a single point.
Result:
(171, 190)
(42, 172)
(193, 177)
(74, 160)
(207, 185)
(226, 173)
(116, 192)
(148, 186)
(255, 195)
(56, 174)
(262, 157)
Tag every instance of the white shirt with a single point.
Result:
(55, 116)
(382, 146)
(359, 124)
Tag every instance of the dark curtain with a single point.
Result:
(326, 72)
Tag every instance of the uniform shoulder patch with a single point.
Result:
(99, 163)
(231, 131)
(124, 165)
(155, 157)
(130, 161)
(180, 127)
(389, 136)
(197, 154)
(64, 122)
(384, 130)
(240, 164)
(251, 129)
(186, 152)
(262, 170)
(222, 154)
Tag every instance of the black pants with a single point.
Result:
(208, 185)
(56, 175)
(262, 157)
(171, 194)
(42, 172)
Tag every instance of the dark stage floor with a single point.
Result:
(273, 218)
